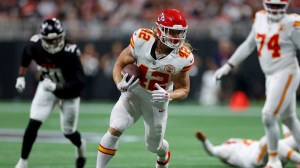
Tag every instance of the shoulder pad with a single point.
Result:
(186, 54)
(140, 36)
(70, 48)
(295, 19)
(35, 38)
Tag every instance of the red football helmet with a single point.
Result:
(276, 8)
(171, 28)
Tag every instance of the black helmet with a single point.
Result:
(53, 35)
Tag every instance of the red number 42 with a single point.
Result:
(273, 44)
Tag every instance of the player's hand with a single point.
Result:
(20, 84)
(48, 85)
(160, 95)
(125, 86)
(224, 70)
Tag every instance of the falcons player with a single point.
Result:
(249, 153)
(61, 82)
(164, 58)
(276, 36)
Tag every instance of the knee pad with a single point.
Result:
(268, 119)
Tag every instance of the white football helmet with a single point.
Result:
(276, 8)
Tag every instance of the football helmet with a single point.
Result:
(276, 8)
(53, 35)
(171, 28)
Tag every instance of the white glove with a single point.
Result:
(224, 70)
(20, 84)
(125, 86)
(48, 85)
(160, 95)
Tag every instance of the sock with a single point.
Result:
(272, 134)
(75, 138)
(163, 151)
(106, 150)
(29, 137)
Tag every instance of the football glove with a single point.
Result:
(125, 86)
(48, 85)
(20, 84)
(224, 70)
(160, 95)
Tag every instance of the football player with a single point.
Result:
(164, 57)
(249, 153)
(275, 34)
(61, 83)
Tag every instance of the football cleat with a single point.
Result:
(81, 154)
(21, 164)
(164, 164)
(80, 162)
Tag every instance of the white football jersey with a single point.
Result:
(158, 71)
(276, 50)
(256, 155)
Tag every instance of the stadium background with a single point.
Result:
(104, 22)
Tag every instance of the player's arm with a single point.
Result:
(124, 58)
(241, 53)
(182, 84)
(295, 34)
(244, 50)
(25, 61)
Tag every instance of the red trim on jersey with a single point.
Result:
(186, 68)
(131, 42)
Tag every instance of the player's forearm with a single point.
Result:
(179, 94)
(244, 50)
(22, 71)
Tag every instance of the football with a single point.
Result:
(132, 69)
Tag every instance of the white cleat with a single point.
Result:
(21, 163)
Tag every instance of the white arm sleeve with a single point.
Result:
(295, 34)
(244, 50)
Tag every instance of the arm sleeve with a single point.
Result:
(295, 34)
(27, 54)
(244, 50)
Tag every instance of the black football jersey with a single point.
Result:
(64, 68)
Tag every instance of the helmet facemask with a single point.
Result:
(172, 37)
(53, 44)
(276, 10)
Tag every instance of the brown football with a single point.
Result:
(132, 69)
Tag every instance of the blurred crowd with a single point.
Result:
(94, 19)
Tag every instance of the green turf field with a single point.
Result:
(52, 150)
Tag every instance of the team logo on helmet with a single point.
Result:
(169, 68)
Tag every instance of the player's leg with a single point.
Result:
(69, 112)
(290, 119)
(280, 88)
(41, 106)
(155, 126)
(288, 153)
(123, 115)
